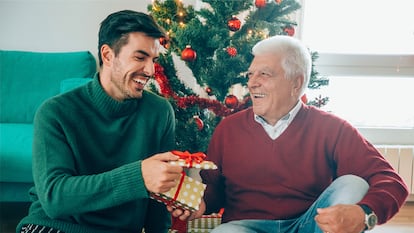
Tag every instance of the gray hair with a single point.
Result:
(296, 57)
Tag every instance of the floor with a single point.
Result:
(403, 222)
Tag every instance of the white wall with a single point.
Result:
(57, 25)
(67, 25)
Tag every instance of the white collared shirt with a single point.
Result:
(274, 131)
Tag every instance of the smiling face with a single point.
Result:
(124, 76)
(273, 96)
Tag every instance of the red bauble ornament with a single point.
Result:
(188, 54)
(164, 42)
(289, 30)
(304, 98)
(231, 101)
(209, 91)
(234, 24)
(260, 3)
(278, 1)
(199, 122)
(232, 51)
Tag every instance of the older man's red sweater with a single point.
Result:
(261, 178)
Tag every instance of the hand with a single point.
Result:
(160, 176)
(185, 215)
(341, 219)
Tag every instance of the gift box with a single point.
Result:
(200, 225)
(188, 192)
(204, 224)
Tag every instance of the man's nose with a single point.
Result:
(149, 69)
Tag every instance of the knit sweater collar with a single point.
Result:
(108, 106)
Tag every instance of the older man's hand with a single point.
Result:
(186, 215)
(341, 219)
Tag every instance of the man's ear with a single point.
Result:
(107, 55)
(297, 84)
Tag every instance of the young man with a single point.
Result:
(99, 149)
(285, 167)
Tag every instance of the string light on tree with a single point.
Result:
(278, 1)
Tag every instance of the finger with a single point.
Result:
(321, 220)
(166, 157)
(174, 169)
(177, 213)
(184, 216)
(196, 214)
(167, 186)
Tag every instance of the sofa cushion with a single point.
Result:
(29, 78)
(72, 83)
(16, 152)
(15, 192)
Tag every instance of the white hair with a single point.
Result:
(296, 58)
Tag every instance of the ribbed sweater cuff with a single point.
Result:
(128, 183)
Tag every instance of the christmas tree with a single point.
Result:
(215, 43)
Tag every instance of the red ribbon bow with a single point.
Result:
(189, 157)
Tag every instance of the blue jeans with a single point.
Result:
(347, 189)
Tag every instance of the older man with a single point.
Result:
(287, 167)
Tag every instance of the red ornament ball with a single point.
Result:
(231, 101)
(232, 51)
(289, 30)
(188, 54)
(234, 24)
(209, 91)
(304, 98)
(198, 122)
(278, 1)
(164, 42)
(260, 3)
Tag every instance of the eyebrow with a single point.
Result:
(145, 53)
(142, 52)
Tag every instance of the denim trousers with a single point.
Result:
(347, 189)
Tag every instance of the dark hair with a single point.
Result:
(115, 29)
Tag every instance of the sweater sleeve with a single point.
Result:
(60, 190)
(355, 155)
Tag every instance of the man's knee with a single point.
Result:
(348, 189)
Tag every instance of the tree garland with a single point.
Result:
(187, 101)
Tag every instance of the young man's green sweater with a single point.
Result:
(87, 154)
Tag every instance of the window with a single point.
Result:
(366, 50)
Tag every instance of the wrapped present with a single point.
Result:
(188, 192)
(185, 195)
(200, 225)
(204, 224)
(195, 160)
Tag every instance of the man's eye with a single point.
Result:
(265, 74)
(139, 58)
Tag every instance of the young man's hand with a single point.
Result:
(160, 176)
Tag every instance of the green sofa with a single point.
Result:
(26, 80)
